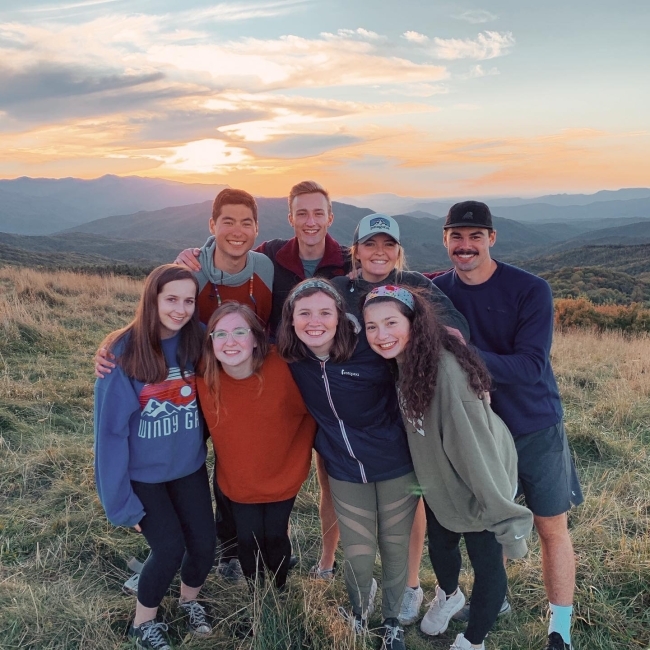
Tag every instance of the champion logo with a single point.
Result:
(350, 374)
(468, 216)
(379, 223)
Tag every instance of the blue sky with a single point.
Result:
(419, 98)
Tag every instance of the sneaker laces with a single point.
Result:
(153, 633)
(196, 613)
(356, 623)
(392, 632)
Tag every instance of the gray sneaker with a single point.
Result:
(316, 573)
(197, 621)
(150, 635)
(230, 570)
(463, 614)
(410, 610)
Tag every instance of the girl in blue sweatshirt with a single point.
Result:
(150, 449)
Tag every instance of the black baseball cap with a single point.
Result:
(469, 213)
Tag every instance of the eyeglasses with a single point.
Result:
(239, 334)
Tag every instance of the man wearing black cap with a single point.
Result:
(510, 316)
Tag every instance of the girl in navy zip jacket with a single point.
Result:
(362, 441)
(150, 449)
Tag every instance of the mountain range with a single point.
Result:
(78, 226)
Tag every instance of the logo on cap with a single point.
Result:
(468, 216)
(379, 223)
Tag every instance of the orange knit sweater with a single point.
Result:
(262, 440)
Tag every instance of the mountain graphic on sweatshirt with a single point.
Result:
(169, 406)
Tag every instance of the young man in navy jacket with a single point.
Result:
(510, 316)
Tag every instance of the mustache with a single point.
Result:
(465, 251)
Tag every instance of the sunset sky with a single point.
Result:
(415, 97)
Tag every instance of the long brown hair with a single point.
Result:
(142, 357)
(210, 366)
(419, 369)
(291, 348)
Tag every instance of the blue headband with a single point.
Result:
(391, 291)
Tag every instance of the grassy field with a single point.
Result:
(62, 564)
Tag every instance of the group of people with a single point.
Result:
(430, 402)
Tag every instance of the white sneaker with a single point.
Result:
(410, 610)
(461, 643)
(441, 609)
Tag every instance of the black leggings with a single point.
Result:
(490, 581)
(224, 523)
(263, 539)
(178, 525)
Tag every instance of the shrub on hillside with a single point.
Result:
(583, 313)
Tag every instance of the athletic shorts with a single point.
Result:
(547, 473)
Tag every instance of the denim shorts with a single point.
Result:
(547, 473)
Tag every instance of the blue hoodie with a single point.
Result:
(151, 433)
(360, 436)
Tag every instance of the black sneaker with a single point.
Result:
(197, 622)
(293, 561)
(393, 635)
(556, 642)
(150, 635)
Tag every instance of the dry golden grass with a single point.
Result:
(62, 564)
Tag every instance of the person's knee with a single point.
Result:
(170, 553)
(204, 546)
(277, 539)
(552, 529)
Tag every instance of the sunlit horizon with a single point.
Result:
(431, 101)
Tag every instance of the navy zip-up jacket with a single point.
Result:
(360, 437)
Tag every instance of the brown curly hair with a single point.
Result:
(419, 369)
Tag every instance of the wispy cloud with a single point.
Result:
(476, 16)
(487, 45)
(233, 11)
(478, 71)
(353, 33)
(415, 37)
(67, 6)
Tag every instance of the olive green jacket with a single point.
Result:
(466, 463)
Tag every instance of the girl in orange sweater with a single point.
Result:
(262, 435)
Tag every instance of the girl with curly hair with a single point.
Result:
(463, 453)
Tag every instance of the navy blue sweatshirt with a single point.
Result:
(510, 319)
(360, 436)
(150, 433)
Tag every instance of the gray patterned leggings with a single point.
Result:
(370, 515)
